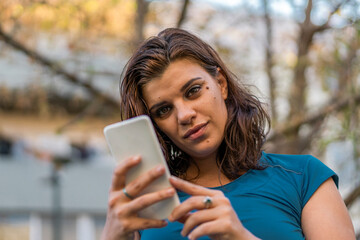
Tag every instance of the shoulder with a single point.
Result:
(296, 163)
(304, 171)
(287, 170)
(306, 166)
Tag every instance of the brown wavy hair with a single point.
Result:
(247, 119)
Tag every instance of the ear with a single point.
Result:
(222, 83)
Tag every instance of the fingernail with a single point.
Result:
(170, 191)
(174, 178)
(171, 217)
(136, 158)
(160, 168)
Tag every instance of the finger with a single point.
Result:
(143, 223)
(132, 224)
(114, 198)
(208, 229)
(118, 181)
(136, 186)
(192, 203)
(149, 199)
(199, 218)
(151, 223)
(190, 188)
(184, 218)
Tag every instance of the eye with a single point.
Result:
(193, 90)
(162, 111)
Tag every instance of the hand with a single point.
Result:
(122, 218)
(218, 220)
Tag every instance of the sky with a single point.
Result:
(279, 6)
(322, 9)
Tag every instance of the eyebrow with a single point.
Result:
(186, 85)
(157, 105)
(183, 88)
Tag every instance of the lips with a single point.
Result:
(195, 131)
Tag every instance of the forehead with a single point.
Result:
(174, 77)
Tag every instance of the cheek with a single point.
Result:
(217, 98)
(167, 127)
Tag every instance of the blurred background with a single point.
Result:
(60, 65)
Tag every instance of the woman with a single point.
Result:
(212, 131)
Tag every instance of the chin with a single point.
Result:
(203, 152)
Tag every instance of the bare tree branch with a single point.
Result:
(308, 10)
(142, 9)
(183, 13)
(55, 68)
(307, 31)
(345, 84)
(326, 24)
(89, 110)
(269, 62)
(350, 199)
(297, 91)
(333, 106)
(286, 145)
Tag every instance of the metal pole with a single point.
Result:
(56, 204)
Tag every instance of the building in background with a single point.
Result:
(30, 202)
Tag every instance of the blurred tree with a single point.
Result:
(270, 63)
(89, 19)
(326, 52)
(183, 13)
(56, 68)
(142, 7)
(289, 134)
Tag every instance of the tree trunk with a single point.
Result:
(183, 13)
(142, 9)
(269, 64)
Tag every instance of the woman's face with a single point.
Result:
(188, 105)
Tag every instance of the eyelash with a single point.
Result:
(191, 92)
(158, 111)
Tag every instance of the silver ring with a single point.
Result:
(127, 194)
(207, 202)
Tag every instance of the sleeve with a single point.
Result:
(315, 173)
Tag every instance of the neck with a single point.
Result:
(207, 174)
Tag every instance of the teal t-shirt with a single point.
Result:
(268, 202)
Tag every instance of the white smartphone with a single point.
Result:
(136, 136)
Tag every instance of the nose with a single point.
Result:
(185, 113)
